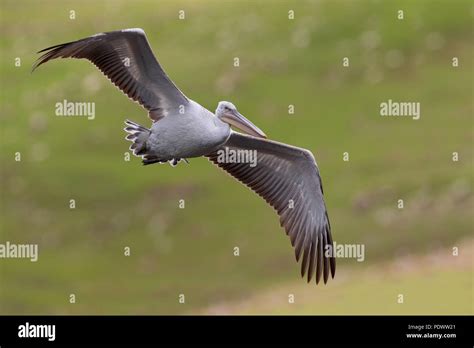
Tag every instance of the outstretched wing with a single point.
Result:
(288, 179)
(126, 58)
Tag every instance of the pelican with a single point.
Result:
(286, 177)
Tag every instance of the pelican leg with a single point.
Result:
(174, 162)
(150, 159)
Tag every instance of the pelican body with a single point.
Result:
(202, 130)
(287, 177)
(163, 142)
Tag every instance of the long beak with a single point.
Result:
(236, 119)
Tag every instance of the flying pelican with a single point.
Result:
(287, 177)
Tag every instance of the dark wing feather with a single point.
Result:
(284, 173)
(126, 58)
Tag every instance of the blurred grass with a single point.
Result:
(283, 62)
(375, 290)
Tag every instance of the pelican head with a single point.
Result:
(227, 112)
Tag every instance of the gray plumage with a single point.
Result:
(126, 58)
(287, 173)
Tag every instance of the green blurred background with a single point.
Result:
(190, 251)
